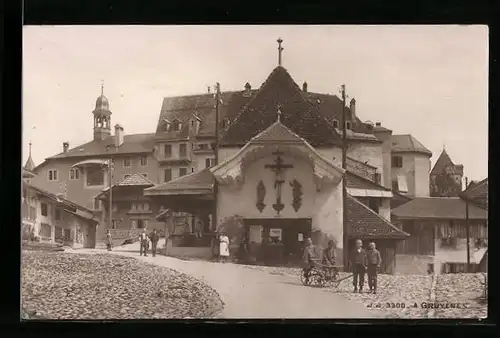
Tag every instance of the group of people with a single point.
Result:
(144, 239)
(144, 242)
(360, 261)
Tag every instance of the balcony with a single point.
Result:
(203, 149)
(179, 159)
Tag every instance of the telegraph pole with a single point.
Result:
(216, 151)
(467, 224)
(344, 183)
(110, 168)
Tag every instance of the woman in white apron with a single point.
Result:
(223, 247)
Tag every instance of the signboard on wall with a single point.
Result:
(276, 233)
(300, 237)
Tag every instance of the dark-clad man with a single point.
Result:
(374, 260)
(358, 263)
(154, 237)
(310, 259)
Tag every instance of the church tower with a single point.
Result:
(30, 165)
(102, 117)
(446, 177)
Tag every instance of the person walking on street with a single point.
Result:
(374, 260)
(154, 237)
(223, 247)
(109, 242)
(143, 238)
(358, 263)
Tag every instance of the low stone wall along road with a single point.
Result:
(60, 285)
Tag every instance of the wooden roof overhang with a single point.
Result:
(191, 203)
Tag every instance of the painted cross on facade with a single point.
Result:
(278, 167)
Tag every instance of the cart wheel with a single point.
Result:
(303, 279)
(317, 279)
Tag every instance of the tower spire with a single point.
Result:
(279, 113)
(280, 50)
(102, 87)
(30, 149)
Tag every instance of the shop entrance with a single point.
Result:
(277, 241)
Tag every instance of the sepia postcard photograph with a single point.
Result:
(254, 172)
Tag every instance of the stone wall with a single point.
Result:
(413, 264)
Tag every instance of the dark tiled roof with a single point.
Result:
(330, 107)
(438, 208)
(365, 223)
(183, 108)
(277, 132)
(135, 180)
(199, 180)
(399, 199)
(478, 192)
(408, 143)
(279, 88)
(298, 114)
(443, 161)
(133, 143)
(41, 185)
(358, 182)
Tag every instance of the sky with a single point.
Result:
(428, 81)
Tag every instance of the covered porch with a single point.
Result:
(187, 205)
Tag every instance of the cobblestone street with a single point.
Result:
(248, 293)
(183, 289)
(59, 285)
(397, 295)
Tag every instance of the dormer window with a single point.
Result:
(335, 123)
(179, 126)
(348, 125)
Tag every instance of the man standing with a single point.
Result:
(374, 260)
(358, 264)
(109, 241)
(309, 259)
(143, 238)
(154, 237)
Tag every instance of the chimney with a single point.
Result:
(118, 135)
(304, 87)
(352, 108)
(248, 90)
(65, 146)
(378, 124)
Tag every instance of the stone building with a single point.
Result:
(438, 235)
(279, 170)
(446, 177)
(179, 159)
(410, 166)
(53, 218)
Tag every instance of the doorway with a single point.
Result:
(282, 240)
